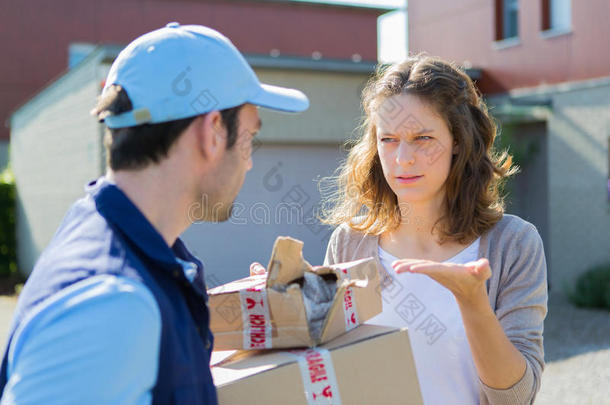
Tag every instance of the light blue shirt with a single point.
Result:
(96, 342)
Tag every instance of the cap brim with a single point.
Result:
(280, 98)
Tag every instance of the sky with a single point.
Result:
(392, 27)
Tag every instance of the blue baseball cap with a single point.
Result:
(181, 71)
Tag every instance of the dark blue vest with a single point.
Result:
(104, 233)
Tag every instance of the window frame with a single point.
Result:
(548, 26)
(502, 39)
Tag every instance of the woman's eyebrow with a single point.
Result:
(419, 132)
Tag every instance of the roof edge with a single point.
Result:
(342, 4)
(302, 63)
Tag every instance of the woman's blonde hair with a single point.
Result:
(473, 187)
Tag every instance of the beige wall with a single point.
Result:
(55, 150)
(334, 109)
(280, 196)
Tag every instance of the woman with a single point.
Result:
(419, 192)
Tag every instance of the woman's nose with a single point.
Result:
(405, 154)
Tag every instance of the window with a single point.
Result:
(556, 15)
(507, 19)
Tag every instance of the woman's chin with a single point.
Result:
(410, 197)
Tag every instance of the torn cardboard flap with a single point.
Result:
(287, 263)
(295, 304)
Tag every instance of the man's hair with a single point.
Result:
(134, 148)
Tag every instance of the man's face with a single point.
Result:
(229, 175)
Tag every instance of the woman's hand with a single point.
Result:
(257, 269)
(465, 281)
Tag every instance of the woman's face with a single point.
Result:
(415, 148)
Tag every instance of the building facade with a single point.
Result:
(328, 52)
(40, 40)
(546, 75)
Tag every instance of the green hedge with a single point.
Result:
(592, 288)
(8, 242)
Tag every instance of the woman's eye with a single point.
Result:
(423, 138)
(387, 140)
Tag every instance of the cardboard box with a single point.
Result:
(264, 312)
(368, 365)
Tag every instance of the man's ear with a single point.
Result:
(211, 135)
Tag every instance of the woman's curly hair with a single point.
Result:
(473, 198)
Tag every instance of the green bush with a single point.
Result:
(8, 242)
(592, 288)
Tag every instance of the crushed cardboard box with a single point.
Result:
(279, 309)
(368, 365)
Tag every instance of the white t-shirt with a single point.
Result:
(443, 360)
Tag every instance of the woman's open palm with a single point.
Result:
(463, 280)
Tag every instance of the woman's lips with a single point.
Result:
(408, 179)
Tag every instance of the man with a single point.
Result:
(115, 309)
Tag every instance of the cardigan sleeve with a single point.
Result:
(521, 307)
(331, 249)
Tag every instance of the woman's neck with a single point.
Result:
(417, 232)
(416, 237)
(418, 218)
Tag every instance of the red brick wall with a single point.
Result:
(35, 34)
(463, 30)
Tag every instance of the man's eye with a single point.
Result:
(423, 138)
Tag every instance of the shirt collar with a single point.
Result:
(125, 217)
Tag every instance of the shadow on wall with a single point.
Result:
(527, 191)
(27, 254)
(578, 196)
(4, 147)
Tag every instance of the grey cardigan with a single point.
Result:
(517, 291)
